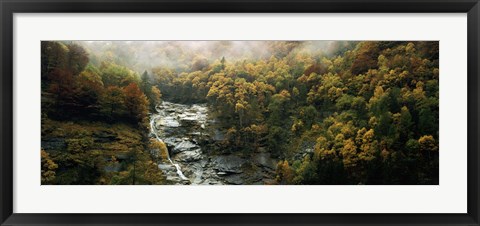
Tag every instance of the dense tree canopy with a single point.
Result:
(334, 113)
(74, 93)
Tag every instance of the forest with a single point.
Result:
(240, 112)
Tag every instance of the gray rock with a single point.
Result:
(168, 122)
(172, 141)
(184, 146)
(218, 135)
(197, 173)
(306, 148)
(185, 129)
(228, 163)
(234, 179)
(188, 121)
(173, 178)
(263, 159)
(197, 180)
(256, 176)
(211, 181)
(189, 156)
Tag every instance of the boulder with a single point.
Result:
(189, 156)
(185, 145)
(234, 179)
(172, 141)
(228, 163)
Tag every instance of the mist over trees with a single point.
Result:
(332, 112)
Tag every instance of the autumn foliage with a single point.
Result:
(347, 113)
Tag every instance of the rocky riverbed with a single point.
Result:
(191, 137)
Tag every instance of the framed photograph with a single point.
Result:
(239, 113)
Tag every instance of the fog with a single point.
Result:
(145, 55)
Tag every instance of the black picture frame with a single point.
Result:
(9, 7)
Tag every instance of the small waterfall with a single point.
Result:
(154, 131)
